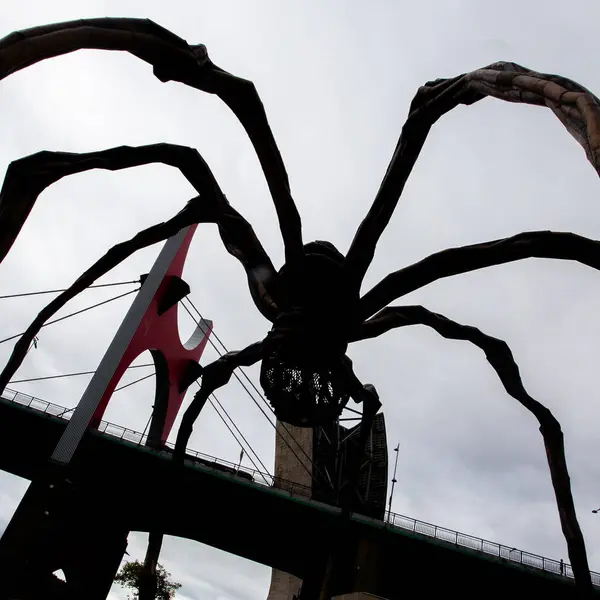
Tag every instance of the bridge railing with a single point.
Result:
(254, 475)
(481, 545)
(36, 403)
(135, 437)
(396, 520)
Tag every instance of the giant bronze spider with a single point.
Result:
(315, 296)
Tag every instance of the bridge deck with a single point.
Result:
(210, 501)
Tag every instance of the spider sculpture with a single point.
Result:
(313, 301)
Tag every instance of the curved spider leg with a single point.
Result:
(27, 178)
(148, 581)
(214, 375)
(172, 59)
(454, 261)
(501, 359)
(574, 105)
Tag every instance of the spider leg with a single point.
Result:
(148, 580)
(500, 357)
(454, 261)
(365, 394)
(28, 177)
(214, 375)
(172, 59)
(368, 396)
(575, 106)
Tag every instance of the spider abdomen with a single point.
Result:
(300, 368)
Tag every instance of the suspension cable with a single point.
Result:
(78, 312)
(249, 454)
(135, 381)
(250, 448)
(226, 350)
(220, 416)
(221, 354)
(261, 396)
(265, 470)
(223, 408)
(99, 285)
(309, 471)
(71, 374)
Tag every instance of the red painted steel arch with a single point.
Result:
(159, 333)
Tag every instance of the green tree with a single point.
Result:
(132, 575)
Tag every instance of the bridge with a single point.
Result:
(231, 507)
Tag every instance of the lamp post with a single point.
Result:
(240, 461)
(396, 450)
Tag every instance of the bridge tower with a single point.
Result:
(314, 462)
(56, 526)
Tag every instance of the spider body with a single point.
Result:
(313, 301)
(302, 367)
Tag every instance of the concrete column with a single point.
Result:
(291, 465)
(56, 527)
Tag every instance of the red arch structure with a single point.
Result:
(50, 528)
(176, 362)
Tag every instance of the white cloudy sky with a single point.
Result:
(337, 79)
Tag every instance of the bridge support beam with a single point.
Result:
(57, 529)
(349, 565)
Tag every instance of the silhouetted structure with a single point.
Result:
(233, 514)
(313, 301)
(319, 460)
(49, 530)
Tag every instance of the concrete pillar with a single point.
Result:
(291, 465)
(58, 527)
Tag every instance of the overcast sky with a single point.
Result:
(336, 79)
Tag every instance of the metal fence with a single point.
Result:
(37, 404)
(480, 545)
(135, 437)
(510, 555)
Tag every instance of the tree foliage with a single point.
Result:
(131, 576)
